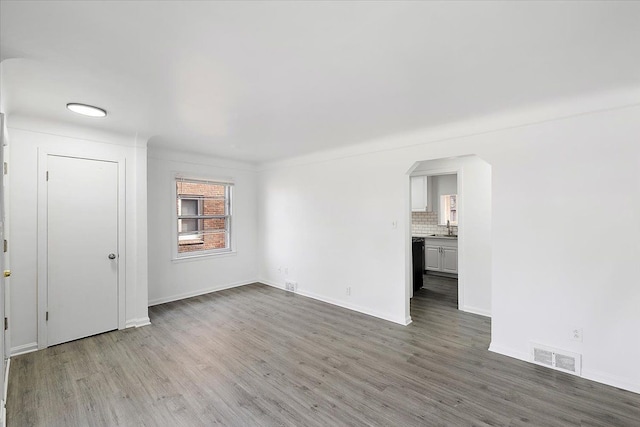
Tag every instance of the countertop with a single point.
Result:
(437, 236)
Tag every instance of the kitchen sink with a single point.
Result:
(453, 236)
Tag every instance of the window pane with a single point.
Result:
(187, 225)
(189, 207)
(204, 242)
(204, 189)
(214, 207)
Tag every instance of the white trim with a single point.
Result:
(178, 297)
(6, 379)
(611, 380)
(80, 153)
(204, 255)
(3, 404)
(227, 182)
(137, 323)
(23, 349)
(384, 316)
(524, 356)
(475, 310)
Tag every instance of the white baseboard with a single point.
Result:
(384, 316)
(177, 297)
(611, 380)
(3, 404)
(25, 348)
(599, 377)
(475, 310)
(524, 356)
(137, 323)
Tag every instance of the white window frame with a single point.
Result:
(230, 249)
(199, 208)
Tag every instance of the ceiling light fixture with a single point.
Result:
(86, 110)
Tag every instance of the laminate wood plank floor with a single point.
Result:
(258, 356)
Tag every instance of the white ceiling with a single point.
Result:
(259, 81)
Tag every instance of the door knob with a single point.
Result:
(112, 256)
(7, 273)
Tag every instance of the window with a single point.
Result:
(449, 209)
(204, 217)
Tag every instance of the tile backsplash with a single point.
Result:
(425, 223)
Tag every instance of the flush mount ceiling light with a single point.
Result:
(86, 110)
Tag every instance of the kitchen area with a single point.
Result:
(434, 230)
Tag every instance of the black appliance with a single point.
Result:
(418, 261)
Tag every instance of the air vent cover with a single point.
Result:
(544, 357)
(554, 358)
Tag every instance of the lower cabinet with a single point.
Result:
(441, 255)
(433, 257)
(449, 260)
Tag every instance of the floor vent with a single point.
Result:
(554, 358)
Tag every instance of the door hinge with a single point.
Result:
(6, 245)
(6, 323)
(46, 317)
(47, 175)
(5, 168)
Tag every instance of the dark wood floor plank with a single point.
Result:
(258, 356)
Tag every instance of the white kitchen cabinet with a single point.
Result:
(441, 254)
(420, 194)
(433, 258)
(450, 260)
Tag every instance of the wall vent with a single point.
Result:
(554, 358)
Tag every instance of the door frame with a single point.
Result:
(4, 353)
(43, 285)
(459, 171)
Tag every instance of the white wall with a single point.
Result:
(556, 263)
(175, 279)
(25, 137)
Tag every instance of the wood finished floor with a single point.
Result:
(257, 356)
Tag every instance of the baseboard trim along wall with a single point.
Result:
(474, 310)
(383, 316)
(177, 297)
(137, 323)
(3, 405)
(25, 348)
(599, 377)
(610, 380)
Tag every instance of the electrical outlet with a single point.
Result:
(348, 290)
(576, 334)
(291, 286)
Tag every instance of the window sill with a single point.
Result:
(188, 258)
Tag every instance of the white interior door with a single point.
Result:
(82, 243)
(2, 285)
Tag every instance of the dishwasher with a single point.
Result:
(418, 261)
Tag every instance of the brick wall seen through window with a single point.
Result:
(204, 216)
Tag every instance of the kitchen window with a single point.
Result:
(449, 209)
(203, 217)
